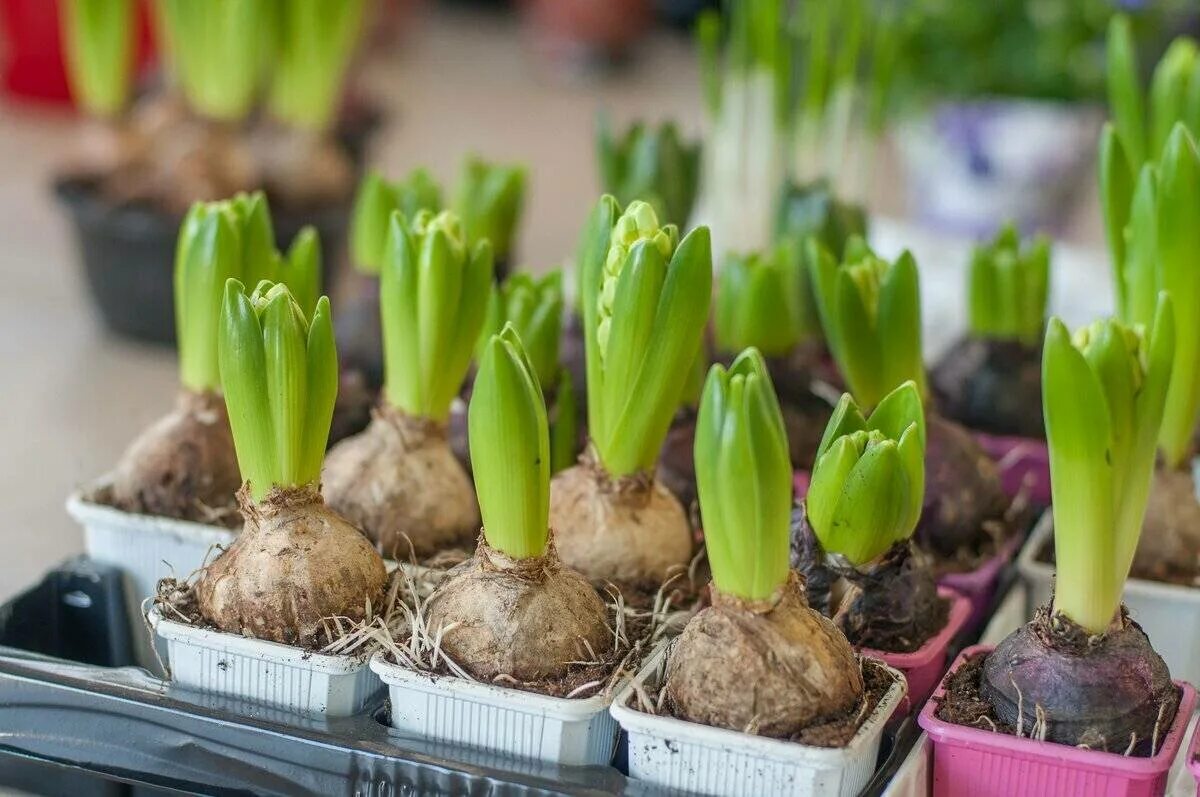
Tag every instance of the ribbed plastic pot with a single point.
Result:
(988, 764)
(912, 778)
(924, 667)
(1193, 766)
(282, 676)
(146, 548)
(688, 757)
(505, 721)
(1168, 613)
(979, 585)
(1024, 465)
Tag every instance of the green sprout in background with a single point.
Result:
(870, 309)
(1008, 287)
(490, 200)
(868, 484)
(744, 479)
(651, 164)
(279, 371)
(813, 210)
(510, 448)
(764, 300)
(315, 42)
(98, 44)
(434, 291)
(374, 204)
(1103, 394)
(645, 297)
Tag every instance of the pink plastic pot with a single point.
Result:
(986, 764)
(1024, 465)
(1192, 764)
(979, 585)
(923, 667)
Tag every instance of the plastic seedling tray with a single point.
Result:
(578, 732)
(1024, 465)
(146, 549)
(282, 676)
(979, 585)
(988, 764)
(1168, 613)
(689, 757)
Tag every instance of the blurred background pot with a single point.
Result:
(587, 29)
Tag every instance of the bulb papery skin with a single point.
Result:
(400, 483)
(295, 564)
(183, 466)
(629, 531)
(776, 666)
(527, 619)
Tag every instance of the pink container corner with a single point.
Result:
(1193, 749)
(979, 585)
(923, 667)
(1024, 465)
(986, 764)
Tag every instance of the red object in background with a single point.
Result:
(32, 63)
(607, 25)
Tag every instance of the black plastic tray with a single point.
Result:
(74, 721)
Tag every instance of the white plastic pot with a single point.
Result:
(268, 673)
(1168, 613)
(508, 722)
(146, 548)
(687, 756)
(913, 776)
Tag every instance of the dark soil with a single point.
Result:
(994, 386)
(1163, 572)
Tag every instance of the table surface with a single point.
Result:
(72, 396)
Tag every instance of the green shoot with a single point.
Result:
(870, 310)
(654, 165)
(315, 42)
(98, 39)
(433, 295)
(510, 448)
(1124, 88)
(207, 255)
(564, 425)
(1008, 288)
(694, 386)
(534, 309)
(374, 204)
(812, 209)
(219, 50)
(868, 484)
(1170, 90)
(645, 300)
(490, 200)
(279, 370)
(764, 301)
(1103, 395)
(744, 479)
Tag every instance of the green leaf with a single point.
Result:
(244, 376)
(398, 281)
(98, 49)
(846, 419)
(1124, 89)
(322, 387)
(370, 221)
(899, 324)
(874, 505)
(285, 338)
(302, 272)
(207, 255)
(830, 471)
(1140, 273)
(1169, 90)
(314, 44)
(592, 252)
(1116, 193)
(490, 200)
(858, 351)
(708, 45)
(564, 430)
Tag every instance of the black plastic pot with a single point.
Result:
(128, 255)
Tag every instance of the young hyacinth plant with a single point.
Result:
(645, 298)
(514, 609)
(296, 563)
(1008, 287)
(399, 480)
(1105, 391)
(374, 204)
(98, 45)
(870, 310)
(490, 200)
(651, 164)
(758, 656)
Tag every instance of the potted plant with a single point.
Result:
(1077, 699)
(200, 139)
(990, 380)
(398, 480)
(645, 297)
(255, 621)
(760, 693)
(171, 497)
(870, 310)
(852, 535)
(512, 636)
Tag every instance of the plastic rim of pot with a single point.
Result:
(1024, 465)
(1168, 613)
(686, 756)
(979, 585)
(924, 666)
(1193, 749)
(506, 721)
(912, 778)
(990, 764)
(282, 676)
(146, 548)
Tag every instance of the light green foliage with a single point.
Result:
(208, 253)
(98, 49)
(870, 311)
(744, 479)
(1008, 287)
(651, 164)
(434, 291)
(490, 200)
(314, 44)
(645, 302)
(533, 306)
(868, 483)
(1103, 395)
(374, 204)
(510, 448)
(764, 300)
(279, 370)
